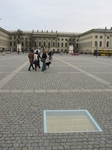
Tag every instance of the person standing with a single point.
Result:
(31, 58)
(43, 59)
(39, 58)
(95, 53)
(36, 60)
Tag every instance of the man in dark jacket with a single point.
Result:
(31, 58)
(44, 56)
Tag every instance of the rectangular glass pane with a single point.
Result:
(56, 121)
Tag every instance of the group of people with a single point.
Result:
(34, 58)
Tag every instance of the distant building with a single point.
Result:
(95, 39)
(87, 42)
(4, 39)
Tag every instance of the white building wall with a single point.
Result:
(4, 39)
(88, 39)
(106, 37)
(86, 43)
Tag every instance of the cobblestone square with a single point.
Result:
(70, 83)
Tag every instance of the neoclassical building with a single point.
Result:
(96, 39)
(87, 42)
(4, 39)
(52, 41)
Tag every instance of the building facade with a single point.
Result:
(87, 42)
(51, 41)
(95, 39)
(4, 39)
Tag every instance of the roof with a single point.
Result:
(98, 30)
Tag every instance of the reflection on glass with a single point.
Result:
(70, 121)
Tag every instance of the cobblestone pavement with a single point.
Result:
(70, 83)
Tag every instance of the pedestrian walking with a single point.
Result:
(31, 58)
(38, 58)
(43, 59)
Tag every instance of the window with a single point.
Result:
(58, 44)
(100, 43)
(96, 43)
(22, 43)
(61, 44)
(53, 38)
(77, 45)
(10, 43)
(100, 37)
(62, 39)
(107, 37)
(10, 38)
(39, 43)
(107, 44)
(14, 43)
(49, 44)
(65, 44)
(44, 44)
(96, 36)
(58, 39)
(53, 44)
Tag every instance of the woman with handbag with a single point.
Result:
(43, 59)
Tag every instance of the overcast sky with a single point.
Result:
(61, 15)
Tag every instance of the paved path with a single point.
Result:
(71, 83)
